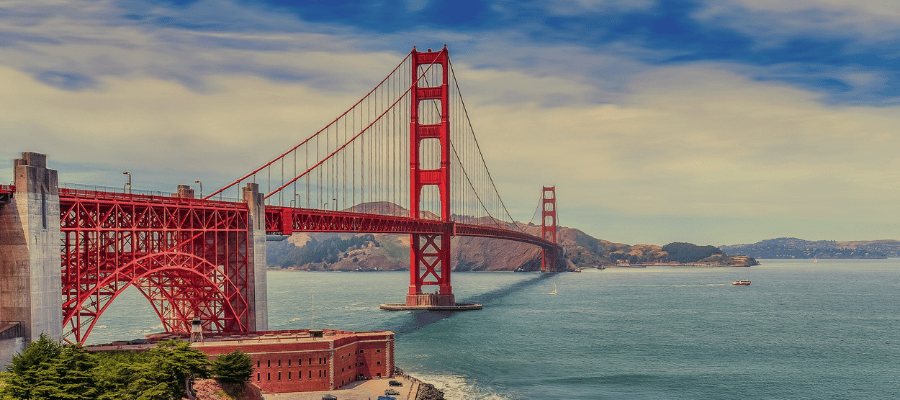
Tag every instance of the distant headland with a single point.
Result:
(794, 248)
(386, 252)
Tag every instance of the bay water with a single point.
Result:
(801, 330)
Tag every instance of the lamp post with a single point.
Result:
(334, 204)
(201, 188)
(127, 184)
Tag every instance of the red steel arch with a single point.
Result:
(188, 257)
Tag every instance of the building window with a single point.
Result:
(269, 376)
(279, 376)
(378, 363)
(379, 374)
(289, 362)
(310, 374)
(279, 363)
(289, 375)
(257, 377)
(269, 363)
(257, 363)
(378, 350)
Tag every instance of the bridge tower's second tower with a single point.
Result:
(429, 142)
(549, 258)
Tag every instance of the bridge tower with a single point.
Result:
(430, 253)
(549, 258)
(29, 255)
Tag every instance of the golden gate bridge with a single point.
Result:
(403, 159)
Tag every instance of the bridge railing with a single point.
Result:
(130, 194)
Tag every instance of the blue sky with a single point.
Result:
(715, 122)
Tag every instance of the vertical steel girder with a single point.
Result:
(430, 253)
(549, 257)
(187, 257)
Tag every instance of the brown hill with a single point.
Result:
(371, 252)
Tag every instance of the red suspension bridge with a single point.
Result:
(403, 159)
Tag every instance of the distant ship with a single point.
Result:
(742, 282)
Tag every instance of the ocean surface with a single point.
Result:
(802, 330)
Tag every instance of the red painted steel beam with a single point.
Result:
(187, 256)
(311, 220)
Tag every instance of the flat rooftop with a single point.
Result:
(250, 338)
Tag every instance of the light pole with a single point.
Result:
(127, 184)
(201, 188)
(335, 204)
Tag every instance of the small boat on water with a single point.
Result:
(742, 282)
(554, 289)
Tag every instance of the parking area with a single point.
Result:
(361, 390)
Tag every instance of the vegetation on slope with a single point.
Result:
(49, 370)
(789, 248)
(689, 253)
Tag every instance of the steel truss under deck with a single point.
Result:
(188, 257)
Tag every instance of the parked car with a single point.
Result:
(386, 398)
(395, 383)
(391, 392)
(329, 397)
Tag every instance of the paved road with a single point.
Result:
(362, 390)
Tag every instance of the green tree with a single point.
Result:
(129, 375)
(27, 370)
(235, 367)
(160, 373)
(176, 363)
(69, 377)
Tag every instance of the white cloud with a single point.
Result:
(701, 141)
(773, 21)
(149, 124)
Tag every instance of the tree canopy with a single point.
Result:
(688, 252)
(233, 367)
(48, 370)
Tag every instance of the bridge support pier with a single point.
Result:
(433, 253)
(256, 279)
(30, 264)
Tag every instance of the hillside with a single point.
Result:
(380, 252)
(794, 248)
